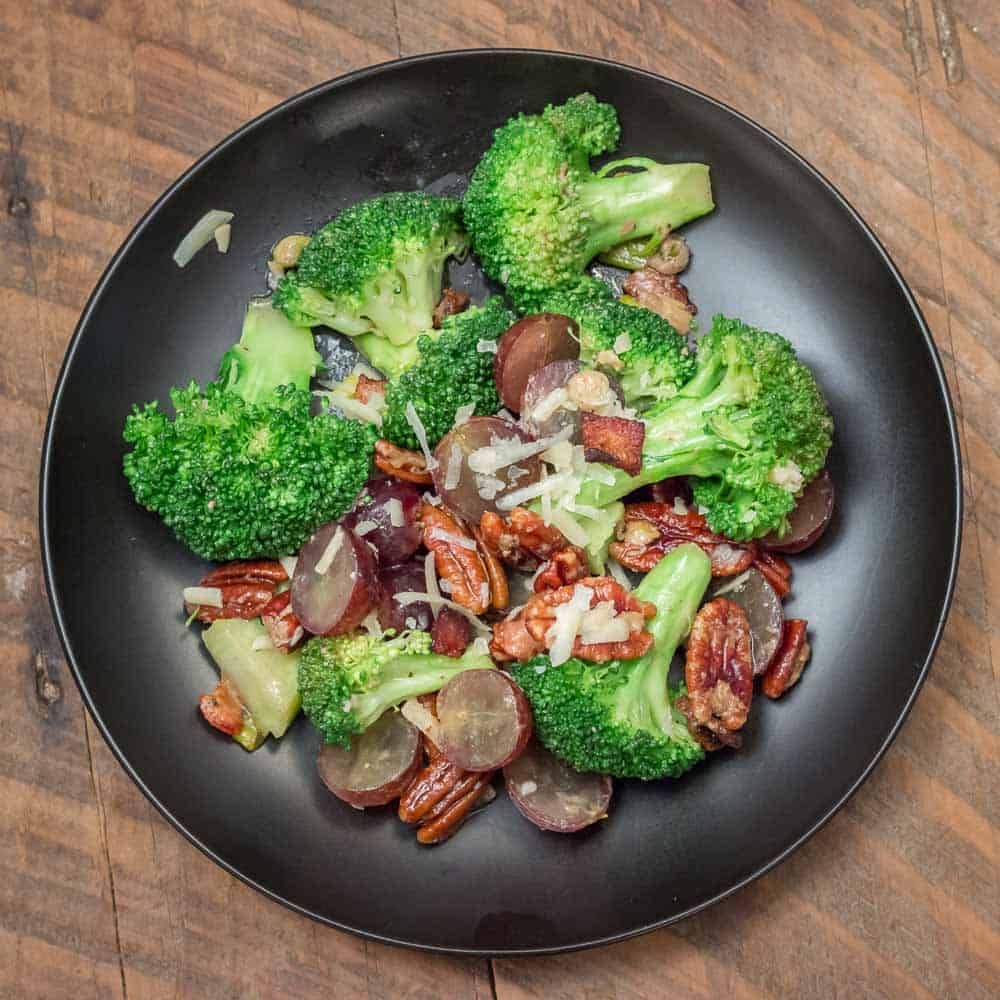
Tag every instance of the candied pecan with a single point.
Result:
(512, 640)
(429, 786)
(451, 633)
(562, 569)
(663, 294)
(523, 540)
(445, 820)
(452, 302)
(499, 591)
(282, 624)
(790, 660)
(456, 558)
(540, 616)
(247, 589)
(223, 708)
(368, 387)
(614, 441)
(402, 463)
(650, 530)
(718, 673)
(775, 570)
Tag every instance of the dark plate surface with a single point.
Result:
(783, 251)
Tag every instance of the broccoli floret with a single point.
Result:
(537, 214)
(450, 372)
(618, 718)
(238, 480)
(752, 421)
(657, 361)
(348, 681)
(376, 268)
(272, 351)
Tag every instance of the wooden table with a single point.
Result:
(104, 102)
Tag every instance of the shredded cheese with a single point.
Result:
(559, 455)
(431, 581)
(548, 405)
(514, 473)
(261, 643)
(463, 413)
(488, 486)
(439, 534)
(413, 419)
(421, 717)
(222, 236)
(487, 347)
(616, 569)
(363, 528)
(481, 645)
(453, 476)
(395, 509)
(562, 520)
(288, 564)
(568, 618)
(544, 487)
(736, 583)
(680, 507)
(352, 407)
(205, 597)
(325, 561)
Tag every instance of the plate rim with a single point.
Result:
(283, 108)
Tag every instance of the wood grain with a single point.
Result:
(104, 103)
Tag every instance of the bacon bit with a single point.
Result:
(539, 617)
(451, 633)
(247, 588)
(282, 624)
(368, 387)
(410, 466)
(223, 708)
(462, 567)
(718, 674)
(512, 640)
(789, 661)
(775, 570)
(638, 549)
(615, 441)
(565, 567)
(452, 303)
(662, 294)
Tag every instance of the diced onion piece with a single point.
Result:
(463, 413)
(201, 233)
(325, 561)
(568, 617)
(288, 564)
(453, 476)
(421, 716)
(437, 602)
(430, 583)
(204, 597)
(363, 528)
(413, 419)
(487, 347)
(395, 510)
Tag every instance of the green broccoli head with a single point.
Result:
(655, 358)
(376, 268)
(347, 681)
(752, 422)
(272, 351)
(619, 718)
(451, 371)
(537, 214)
(238, 480)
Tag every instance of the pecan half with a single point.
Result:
(368, 387)
(247, 589)
(790, 660)
(499, 591)
(614, 441)
(650, 530)
(564, 568)
(540, 616)
(775, 570)
(223, 708)
(402, 463)
(452, 302)
(456, 558)
(523, 540)
(282, 624)
(718, 674)
(662, 294)
(512, 640)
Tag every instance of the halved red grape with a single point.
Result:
(552, 795)
(395, 580)
(764, 612)
(809, 519)
(470, 493)
(386, 516)
(380, 764)
(532, 343)
(335, 581)
(484, 720)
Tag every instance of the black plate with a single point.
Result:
(783, 251)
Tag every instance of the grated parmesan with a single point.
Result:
(288, 564)
(205, 597)
(421, 716)
(261, 643)
(486, 347)
(488, 486)
(463, 413)
(413, 419)
(395, 509)
(439, 534)
(352, 407)
(734, 584)
(325, 561)
(454, 474)
(430, 581)
(544, 487)
(616, 569)
(362, 528)
(680, 507)
(568, 618)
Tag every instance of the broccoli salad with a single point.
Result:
(483, 547)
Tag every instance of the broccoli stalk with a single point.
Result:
(536, 213)
(752, 421)
(376, 270)
(619, 718)
(348, 681)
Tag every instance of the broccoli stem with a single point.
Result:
(656, 199)
(676, 585)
